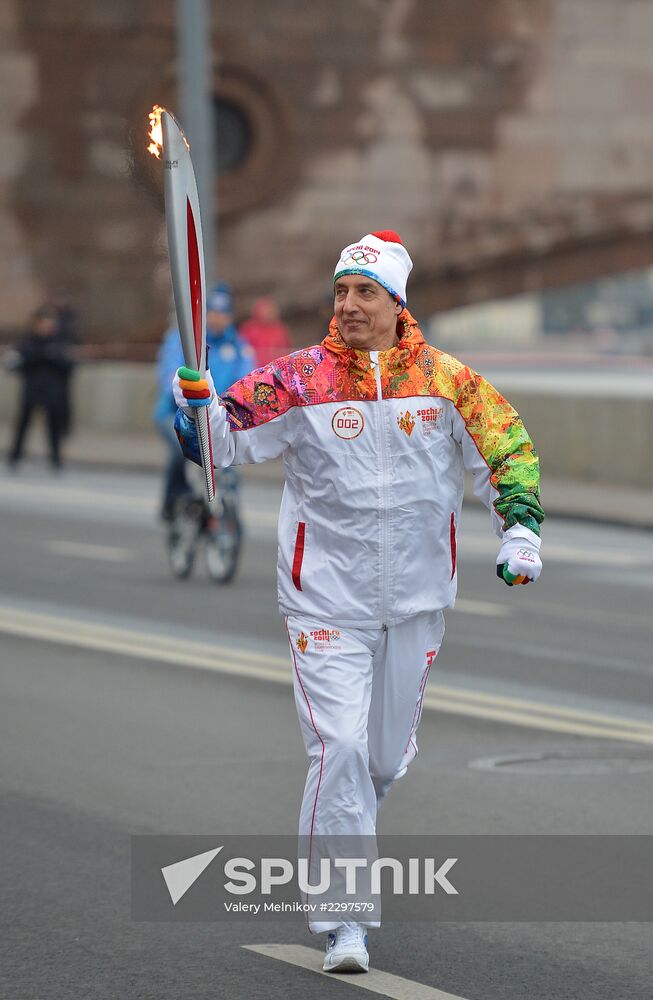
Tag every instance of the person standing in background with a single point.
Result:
(268, 337)
(229, 358)
(44, 361)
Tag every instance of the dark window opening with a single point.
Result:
(233, 135)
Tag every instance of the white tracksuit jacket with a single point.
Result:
(374, 446)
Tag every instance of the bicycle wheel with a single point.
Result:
(223, 540)
(183, 535)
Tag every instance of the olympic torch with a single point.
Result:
(186, 255)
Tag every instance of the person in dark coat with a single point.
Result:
(44, 361)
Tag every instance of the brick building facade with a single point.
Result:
(510, 143)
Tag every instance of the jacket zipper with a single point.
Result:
(374, 359)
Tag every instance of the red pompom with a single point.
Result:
(388, 236)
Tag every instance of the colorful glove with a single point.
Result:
(191, 390)
(519, 560)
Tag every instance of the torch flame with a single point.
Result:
(156, 132)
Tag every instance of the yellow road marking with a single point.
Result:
(131, 642)
(82, 550)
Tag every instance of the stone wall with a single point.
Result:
(509, 142)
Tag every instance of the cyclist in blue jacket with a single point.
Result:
(229, 359)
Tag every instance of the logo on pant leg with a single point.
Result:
(430, 656)
(325, 639)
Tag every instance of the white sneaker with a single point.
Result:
(346, 949)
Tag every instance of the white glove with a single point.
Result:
(518, 561)
(183, 401)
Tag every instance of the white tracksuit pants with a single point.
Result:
(359, 697)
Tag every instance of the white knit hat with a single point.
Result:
(381, 256)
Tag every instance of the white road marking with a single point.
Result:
(595, 557)
(549, 723)
(188, 653)
(471, 542)
(485, 608)
(529, 705)
(60, 495)
(84, 550)
(383, 983)
(601, 615)
(555, 654)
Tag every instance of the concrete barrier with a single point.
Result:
(594, 434)
(594, 427)
(107, 396)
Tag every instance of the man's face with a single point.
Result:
(366, 314)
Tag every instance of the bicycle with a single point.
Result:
(214, 527)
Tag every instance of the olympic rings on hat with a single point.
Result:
(359, 257)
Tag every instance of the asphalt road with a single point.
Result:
(539, 719)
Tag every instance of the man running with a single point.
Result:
(376, 428)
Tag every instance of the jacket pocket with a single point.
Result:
(452, 543)
(299, 555)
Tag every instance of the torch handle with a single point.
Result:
(206, 450)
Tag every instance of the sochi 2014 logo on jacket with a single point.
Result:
(302, 642)
(430, 416)
(348, 422)
(406, 422)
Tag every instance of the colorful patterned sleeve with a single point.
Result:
(251, 422)
(499, 452)
(259, 397)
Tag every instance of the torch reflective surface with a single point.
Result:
(186, 254)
